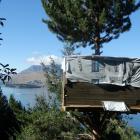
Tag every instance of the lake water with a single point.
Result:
(27, 97)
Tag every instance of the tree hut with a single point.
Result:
(101, 83)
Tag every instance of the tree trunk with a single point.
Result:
(97, 48)
(97, 44)
(92, 121)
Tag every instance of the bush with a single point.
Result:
(118, 130)
(47, 123)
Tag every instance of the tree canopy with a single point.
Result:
(87, 22)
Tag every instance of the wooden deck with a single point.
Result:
(86, 96)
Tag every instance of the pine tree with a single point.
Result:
(9, 125)
(68, 49)
(89, 22)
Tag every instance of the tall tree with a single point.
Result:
(89, 22)
(68, 49)
(9, 125)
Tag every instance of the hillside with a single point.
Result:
(33, 68)
(30, 77)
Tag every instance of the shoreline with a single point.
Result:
(23, 86)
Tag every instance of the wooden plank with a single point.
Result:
(86, 94)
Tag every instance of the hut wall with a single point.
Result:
(86, 94)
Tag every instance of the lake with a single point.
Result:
(27, 97)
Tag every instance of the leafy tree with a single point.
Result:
(6, 72)
(9, 125)
(41, 104)
(14, 104)
(69, 49)
(45, 123)
(19, 111)
(118, 130)
(87, 22)
(53, 77)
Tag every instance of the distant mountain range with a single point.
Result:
(32, 77)
(33, 68)
(39, 69)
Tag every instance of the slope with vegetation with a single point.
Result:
(31, 77)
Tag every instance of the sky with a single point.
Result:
(27, 40)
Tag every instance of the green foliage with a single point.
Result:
(49, 124)
(46, 123)
(19, 111)
(14, 104)
(41, 104)
(9, 124)
(118, 130)
(87, 22)
(6, 72)
(68, 49)
(53, 78)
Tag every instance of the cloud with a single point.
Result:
(36, 60)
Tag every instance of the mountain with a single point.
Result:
(31, 77)
(33, 68)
